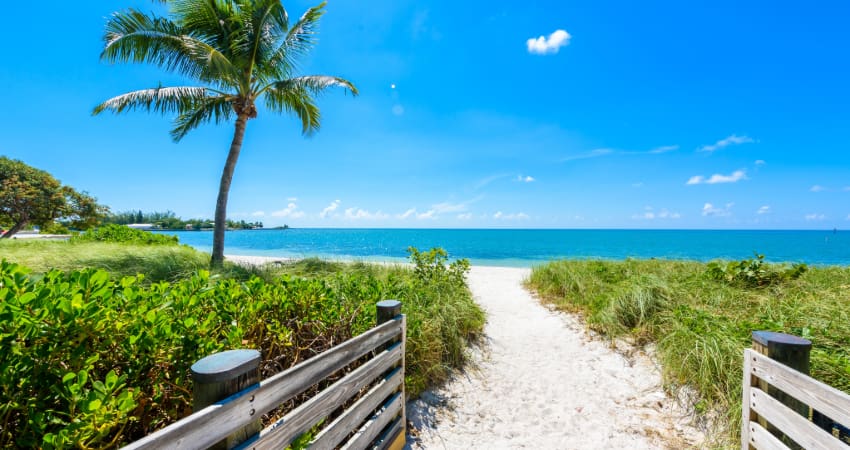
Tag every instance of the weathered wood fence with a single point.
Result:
(229, 397)
(784, 408)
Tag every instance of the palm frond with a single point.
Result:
(315, 84)
(267, 22)
(296, 100)
(160, 99)
(217, 109)
(132, 36)
(299, 40)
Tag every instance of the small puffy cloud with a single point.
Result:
(817, 188)
(329, 209)
(764, 210)
(430, 214)
(291, 211)
(813, 217)
(464, 216)
(664, 149)
(362, 214)
(650, 214)
(502, 216)
(258, 214)
(548, 45)
(717, 178)
(525, 179)
(407, 214)
(723, 143)
(710, 210)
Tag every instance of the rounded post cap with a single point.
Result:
(766, 337)
(389, 304)
(225, 365)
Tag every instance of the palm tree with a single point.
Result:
(240, 52)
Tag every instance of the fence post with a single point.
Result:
(221, 375)
(387, 310)
(792, 351)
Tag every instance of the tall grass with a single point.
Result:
(702, 324)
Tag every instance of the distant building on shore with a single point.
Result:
(142, 226)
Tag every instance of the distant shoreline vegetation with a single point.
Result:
(168, 221)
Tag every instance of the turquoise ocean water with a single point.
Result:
(525, 248)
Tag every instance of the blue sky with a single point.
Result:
(559, 114)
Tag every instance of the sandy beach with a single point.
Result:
(541, 381)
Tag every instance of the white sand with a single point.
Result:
(541, 381)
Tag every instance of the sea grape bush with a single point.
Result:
(124, 234)
(94, 362)
(754, 272)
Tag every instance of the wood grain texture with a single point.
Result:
(793, 425)
(746, 414)
(368, 432)
(393, 437)
(301, 419)
(351, 419)
(215, 422)
(821, 397)
(761, 439)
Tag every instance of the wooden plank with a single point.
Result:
(301, 419)
(761, 439)
(746, 439)
(376, 424)
(215, 422)
(821, 397)
(793, 425)
(391, 438)
(337, 430)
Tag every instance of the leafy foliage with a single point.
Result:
(29, 196)
(124, 234)
(169, 221)
(99, 362)
(754, 272)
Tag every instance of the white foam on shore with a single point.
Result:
(540, 381)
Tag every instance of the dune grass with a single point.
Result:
(701, 324)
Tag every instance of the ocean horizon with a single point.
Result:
(529, 247)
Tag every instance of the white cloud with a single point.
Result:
(817, 188)
(664, 149)
(811, 217)
(764, 210)
(710, 210)
(525, 179)
(430, 214)
(358, 214)
(543, 45)
(650, 214)
(291, 210)
(329, 209)
(717, 178)
(502, 216)
(409, 213)
(258, 214)
(731, 140)
(592, 154)
(464, 216)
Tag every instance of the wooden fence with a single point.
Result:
(229, 398)
(784, 408)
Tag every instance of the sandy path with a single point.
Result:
(542, 382)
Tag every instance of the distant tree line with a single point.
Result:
(169, 221)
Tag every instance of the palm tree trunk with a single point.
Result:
(224, 190)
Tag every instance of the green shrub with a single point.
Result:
(124, 234)
(754, 272)
(91, 361)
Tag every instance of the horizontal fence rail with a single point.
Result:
(378, 413)
(782, 407)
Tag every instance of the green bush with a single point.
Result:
(754, 272)
(98, 362)
(124, 234)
